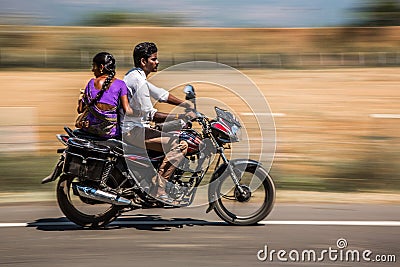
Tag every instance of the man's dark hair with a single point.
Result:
(143, 50)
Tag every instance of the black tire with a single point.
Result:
(227, 199)
(69, 203)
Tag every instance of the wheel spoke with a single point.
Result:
(250, 201)
(228, 197)
(80, 210)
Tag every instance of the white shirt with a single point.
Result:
(140, 91)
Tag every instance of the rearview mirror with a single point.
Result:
(189, 91)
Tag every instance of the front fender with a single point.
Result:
(212, 198)
(236, 162)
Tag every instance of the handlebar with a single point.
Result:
(198, 114)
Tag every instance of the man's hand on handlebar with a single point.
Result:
(190, 115)
(187, 105)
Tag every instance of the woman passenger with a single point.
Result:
(103, 97)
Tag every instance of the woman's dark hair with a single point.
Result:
(108, 61)
(143, 50)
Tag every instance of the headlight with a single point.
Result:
(235, 129)
(236, 132)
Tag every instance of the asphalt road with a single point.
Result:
(37, 234)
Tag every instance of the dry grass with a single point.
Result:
(327, 120)
(327, 139)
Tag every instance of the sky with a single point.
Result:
(200, 13)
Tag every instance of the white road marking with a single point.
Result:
(385, 116)
(333, 223)
(263, 114)
(377, 115)
(200, 222)
(13, 224)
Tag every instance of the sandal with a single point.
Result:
(167, 200)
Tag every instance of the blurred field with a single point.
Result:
(339, 129)
(206, 40)
(73, 47)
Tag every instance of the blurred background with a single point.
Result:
(329, 70)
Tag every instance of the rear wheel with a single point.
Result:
(82, 211)
(249, 204)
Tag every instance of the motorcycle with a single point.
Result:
(98, 179)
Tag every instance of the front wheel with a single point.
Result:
(250, 203)
(82, 211)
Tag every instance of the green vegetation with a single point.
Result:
(23, 173)
(105, 19)
(378, 171)
(378, 13)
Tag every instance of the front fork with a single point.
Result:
(235, 178)
(220, 151)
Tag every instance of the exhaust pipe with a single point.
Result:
(96, 194)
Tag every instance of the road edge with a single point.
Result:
(282, 196)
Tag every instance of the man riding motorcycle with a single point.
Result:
(136, 128)
(98, 180)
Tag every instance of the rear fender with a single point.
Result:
(56, 172)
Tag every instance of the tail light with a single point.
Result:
(63, 138)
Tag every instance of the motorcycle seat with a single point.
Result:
(115, 144)
(85, 135)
